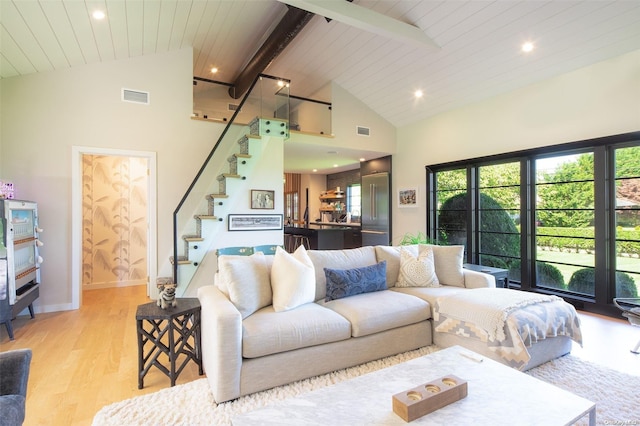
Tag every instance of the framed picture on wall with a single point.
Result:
(255, 222)
(262, 199)
(408, 197)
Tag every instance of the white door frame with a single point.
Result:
(76, 216)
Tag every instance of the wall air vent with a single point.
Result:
(233, 107)
(135, 96)
(363, 131)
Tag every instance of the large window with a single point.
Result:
(563, 220)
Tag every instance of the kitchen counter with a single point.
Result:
(328, 235)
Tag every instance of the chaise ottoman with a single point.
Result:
(517, 328)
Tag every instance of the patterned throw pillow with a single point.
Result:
(349, 282)
(417, 272)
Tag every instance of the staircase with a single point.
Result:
(199, 221)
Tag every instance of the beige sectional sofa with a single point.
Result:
(270, 320)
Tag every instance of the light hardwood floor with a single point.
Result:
(85, 359)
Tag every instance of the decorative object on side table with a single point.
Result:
(167, 296)
(173, 332)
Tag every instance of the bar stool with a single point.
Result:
(288, 243)
(300, 240)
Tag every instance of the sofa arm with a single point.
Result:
(221, 333)
(474, 279)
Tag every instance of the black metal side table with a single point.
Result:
(174, 332)
(501, 275)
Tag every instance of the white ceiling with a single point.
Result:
(479, 55)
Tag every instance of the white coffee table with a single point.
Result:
(497, 395)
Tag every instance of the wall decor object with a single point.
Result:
(262, 199)
(254, 222)
(408, 197)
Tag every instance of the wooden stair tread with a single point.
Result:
(192, 238)
(211, 196)
(206, 216)
(182, 260)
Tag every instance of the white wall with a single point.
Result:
(43, 115)
(599, 100)
(348, 112)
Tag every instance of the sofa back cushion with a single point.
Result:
(338, 259)
(448, 260)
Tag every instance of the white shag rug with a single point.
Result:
(616, 394)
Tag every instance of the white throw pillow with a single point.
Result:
(246, 280)
(417, 272)
(448, 261)
(293, 279)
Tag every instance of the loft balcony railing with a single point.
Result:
(211, 101)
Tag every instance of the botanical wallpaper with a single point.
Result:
(114, 220)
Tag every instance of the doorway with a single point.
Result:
(113, 219)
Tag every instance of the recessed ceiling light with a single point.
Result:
(315, 170)
(98, 14)
(214, 70)
(418, 94)
(362, 159)
(527, 47)
(335, 165)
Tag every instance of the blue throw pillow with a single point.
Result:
(349, 282)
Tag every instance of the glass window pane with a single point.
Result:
(500, 175)
(506, 198)
(499, 217)
(451, 191)
(565, 244)
(565, 168)
(627, 184)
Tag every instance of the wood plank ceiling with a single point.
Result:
(479, 55)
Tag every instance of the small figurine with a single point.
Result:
(167, 295)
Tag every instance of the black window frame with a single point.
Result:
(604, 220)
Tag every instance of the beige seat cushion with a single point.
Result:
(429, 294)
(268, 332)
(371, 313)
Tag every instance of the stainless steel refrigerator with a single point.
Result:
(375, 219)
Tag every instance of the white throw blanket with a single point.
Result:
(488, 308)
